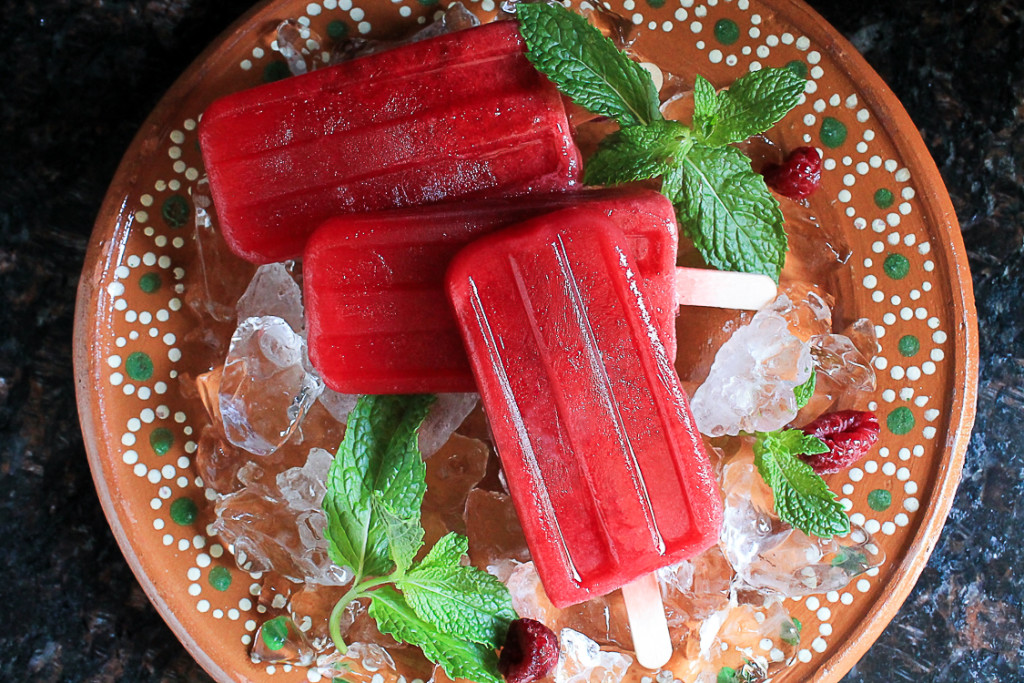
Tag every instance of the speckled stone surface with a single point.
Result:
(77, 79)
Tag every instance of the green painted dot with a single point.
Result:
(220, 578)
(790, 631)
(139, 366)
(798, 67)
(337, 29)
(896, 266)
(832, 132)
(161, 439)
(726, 31)
(900, 421)
(275, 71)
(726, 674)
(183, 511)
(879, 500)
(884, 198)
(175, 211)
(656, 4)
(275, 632)
(428, 2)
(150, 282)
(909, 345)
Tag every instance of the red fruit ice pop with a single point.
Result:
(462, 114)
(378, 319)
(606, 468)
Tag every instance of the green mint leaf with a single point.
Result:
(447, 552)
(802, 498)
(705, 106)
(753, 103)
(586, 66)
(378, 459)
(805, 391)
(727, 210)
(405, 535)
(458, 657)
(638, 153)
(462, 601)
(790, 631)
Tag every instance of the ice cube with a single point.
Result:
(219, 277)
(337, 404)
(451, 474)
(444, 417)
(774, 559)
(750, 386)
(370, 663)
(267, 385)
(276, 524)
(493, 529)
(694, 589)
(218, 462)
(603, 618)
(273, 291)
(278, 640)
(581, 660)
(756, 642)
(301, 47)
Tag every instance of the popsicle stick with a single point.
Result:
(646, 614)
(723, 289)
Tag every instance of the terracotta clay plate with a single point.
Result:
(907, 272)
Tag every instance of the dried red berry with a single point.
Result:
(530, 652)
(798, 176)
(849, 434)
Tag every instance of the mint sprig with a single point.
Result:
(586, 66)
(722, 204)
(805, 391)
(802, 498)
(457, 614)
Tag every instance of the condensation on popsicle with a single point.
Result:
(606, 468)
(377, 315)
(462, 114)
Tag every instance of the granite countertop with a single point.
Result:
(78, 79)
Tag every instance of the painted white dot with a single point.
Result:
(818, 645)
(696, 27)
(928, 432)
(863, 585)
(832, 596)
(901, 519)
(857, 518)
(203, 560)
(911, 504)
(888, 528)
(881, 363)
(888, 469)
(856, 474)
(913, 373)
(904, 453)
(847, 489)
(195, 589)
(804, 656)
(871, 467)
(824, 614)
(715, 56)
(846, 598)
(766, 644)
(825, 629)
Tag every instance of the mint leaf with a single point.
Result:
(752, 104)
(727, 210)
(378, 459)
(447, 552)
(405, 536)
(805, 391)
(802, 498)
(586, 66)
(462, 601)
(705, 106)
(458, 657)
(638, 153)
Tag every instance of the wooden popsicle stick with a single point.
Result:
(723, 289)
(646, 613)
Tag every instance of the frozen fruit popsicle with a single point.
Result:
(606, 468)
(377, 314)
(458, 115)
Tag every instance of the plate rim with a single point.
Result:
(939, 209)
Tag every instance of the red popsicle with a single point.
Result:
(462, 114)
(606, 468)
(377, 316)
